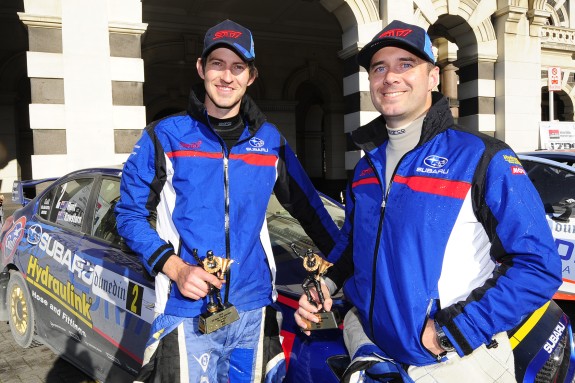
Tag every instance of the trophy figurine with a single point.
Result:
(219, 313)
(316, 267)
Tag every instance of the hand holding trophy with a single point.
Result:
(219, 313)
(316, 267)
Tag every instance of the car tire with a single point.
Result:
(21, 316)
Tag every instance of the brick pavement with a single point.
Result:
(33, 365)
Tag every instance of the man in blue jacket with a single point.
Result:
(445, 243)
(206, 175)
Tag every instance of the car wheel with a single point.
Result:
(20, 311)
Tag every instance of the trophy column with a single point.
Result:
(316, 267)
(218, 313)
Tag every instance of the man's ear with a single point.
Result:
(253, 76)
(200, 68)
(433, 79)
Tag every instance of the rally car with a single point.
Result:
(67, 280)
(555, 182)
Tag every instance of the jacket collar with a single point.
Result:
(437, 120)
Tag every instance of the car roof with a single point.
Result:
(546, 161)
(566, 155)
(112, 170)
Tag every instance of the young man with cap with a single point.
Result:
(207, 175)
(445, 245)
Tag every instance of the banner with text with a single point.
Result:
(557, 135)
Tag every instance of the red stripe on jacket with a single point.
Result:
(446, 188)
(365, 181)
(256, 159)
(193, 153)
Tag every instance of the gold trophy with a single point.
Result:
(316, 267)
(219, 313)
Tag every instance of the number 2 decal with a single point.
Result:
(134, 301)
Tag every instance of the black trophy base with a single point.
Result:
(210, 322)
(327, 320)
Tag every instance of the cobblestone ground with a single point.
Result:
(33, 365)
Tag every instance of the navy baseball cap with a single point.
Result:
(398, 34)
(233, 36)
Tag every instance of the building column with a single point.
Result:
(75, 65)
(358, 108)
(446, 56)
(476, 94)
(518, 84)
(10, 171)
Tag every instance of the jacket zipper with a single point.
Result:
(379, 230)
(227, 220)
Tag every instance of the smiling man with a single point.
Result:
(198, 184)
(445, 246)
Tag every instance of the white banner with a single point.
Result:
(557, 135)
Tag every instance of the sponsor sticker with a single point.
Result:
(517, 170)
(13, 237)
(124, 293)
(366, 172)
(512, 160)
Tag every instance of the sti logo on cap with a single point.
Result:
(396, 33)
(228, 34)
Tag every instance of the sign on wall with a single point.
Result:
(557, 135)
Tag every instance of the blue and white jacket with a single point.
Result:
(207, 197)
(459, 235)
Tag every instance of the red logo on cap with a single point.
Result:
(228, 34)
(396, 33)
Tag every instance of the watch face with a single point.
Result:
(446, 344)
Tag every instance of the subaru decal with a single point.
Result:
(34, 234)
(256, 142)
(435, 161)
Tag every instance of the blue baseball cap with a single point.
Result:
(233, 36)
(398, 34)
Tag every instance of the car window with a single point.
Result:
(68, 203)
(554, 184)
(45, 206)
(285, 230)
(104, 224)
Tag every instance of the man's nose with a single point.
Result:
(390, 77)
(227, 75)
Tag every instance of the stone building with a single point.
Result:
(79, 79)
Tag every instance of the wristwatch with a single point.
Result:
(442, 339)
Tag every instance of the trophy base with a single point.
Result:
(327, 320)
(210, 322)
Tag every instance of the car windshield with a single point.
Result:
(554, 184)
(284, 231)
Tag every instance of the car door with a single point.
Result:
(54, 268)
(123, 293)
(555, 183)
